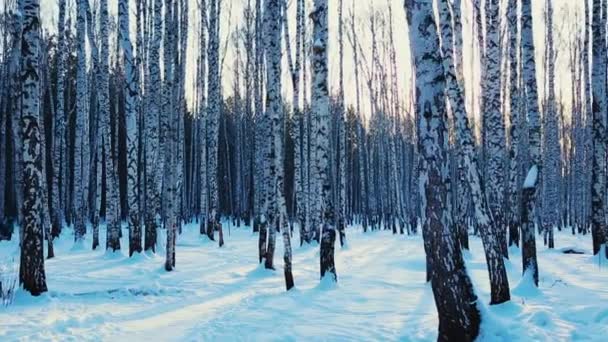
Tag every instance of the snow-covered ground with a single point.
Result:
(221, 294)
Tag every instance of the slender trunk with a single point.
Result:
(81, 144)
(529, 193)
(320, 108)
(515, 120)
(598, 173)
(213, 112)
(59, 146)
(130, 93)
(152, 134)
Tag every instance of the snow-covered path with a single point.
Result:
(223, 295)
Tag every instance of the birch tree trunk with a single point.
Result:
(276, 210)
(130, 93)
(272, 40)
(213, 117)
(111, 170)
(45, 88)
(551, 147)
(494, 128)
(59, 145)
(529, 261)
(499, 282)
(459, 318)
(515, 121)
(81, 144)
(16, 111)
(169, 121)
(598, 172)
(258, 80)
(31, 272)
(152, 134)
(320, 109)
(202, 120)
(93, 156)
(341, 136)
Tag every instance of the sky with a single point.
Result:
(232, 15)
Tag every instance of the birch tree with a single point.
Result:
(529, 191)
(276, 210)
(466, 148)
(130, 91)
(455, 299)
(152, 154)
(16, 110)
(515, 122)
(551, 148)
(81, 144)
(320, 109)
(59, 125)
(272, 41)
(598, 173)
(202, 120)
(341, 136)
(494, 128)
(31, 272)
(169, 122)
(213, 116)
(111, 171)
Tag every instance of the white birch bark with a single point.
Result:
(31, 272)
(152, 121)
(213, 116)
(551, 147)
(530, 189)
(130, 93)
(59, 142)
(598, 172)
(455, 299)
(324, 210)
(81, 144)
(466, 148)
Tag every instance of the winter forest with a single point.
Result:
(282, 170)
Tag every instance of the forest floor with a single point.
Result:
(221, 294)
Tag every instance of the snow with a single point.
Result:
(530, 180)
(222, 294)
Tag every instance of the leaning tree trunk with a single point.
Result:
(31, 271)
(459, 318)
(499, 282)
(46, 213)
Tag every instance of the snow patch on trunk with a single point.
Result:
(531, 178)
